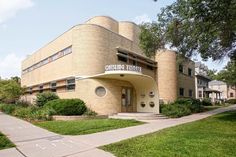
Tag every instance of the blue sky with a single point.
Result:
(27, 25)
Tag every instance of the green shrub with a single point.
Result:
(24, 112)
(194, 105)
(43, 98)
(206, 102)
(175, 110)
(90, 112)
(231, 101)
(182, 107)
(42, 114)
(7, 108)
(67, 106)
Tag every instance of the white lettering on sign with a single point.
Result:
(120, 67)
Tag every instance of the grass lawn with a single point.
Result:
(81, 127)
(5, 142)
(211, 137)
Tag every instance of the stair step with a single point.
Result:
(138, 116)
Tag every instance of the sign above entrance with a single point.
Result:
(122, 67)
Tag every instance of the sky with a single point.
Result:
(27, 25)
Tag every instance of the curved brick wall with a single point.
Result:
(106, 22)
(167, 75)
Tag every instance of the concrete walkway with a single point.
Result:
(32, 141)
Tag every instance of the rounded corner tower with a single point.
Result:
(106, 22)
(167, 75)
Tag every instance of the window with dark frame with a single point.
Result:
(190, 93)
(231, 95)
(53, 87)
(41, 89)
(70, 84)
(181, 91)
(200, 94)
(189, 72)
(181, 68)
(30, 91)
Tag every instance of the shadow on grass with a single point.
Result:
(228, 116)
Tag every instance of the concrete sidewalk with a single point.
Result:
(32, 141)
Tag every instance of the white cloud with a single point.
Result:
(9, 8)
(142, 19)
(10, 65)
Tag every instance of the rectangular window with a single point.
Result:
(53, 86)
(231, 95)
(149, 67)
(189, 72)
(70, 84)
(200, 94)
(30, 90)
(41, 89)
(181, 91)
(181, 68)
(122, 56)
(190, 93)
(67, 50)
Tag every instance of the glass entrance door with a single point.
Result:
(126, 99)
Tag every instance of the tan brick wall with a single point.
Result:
(167, 79)
(185, 81)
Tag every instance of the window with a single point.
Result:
(67, 50)
(190, 93)
(45, 61)
(30, 90)
(53, 86)
(100, 91)
(189, 72)
(149, 67)
(231, 95)
(70, 84)
(200, 94)
(181, 68)
(122, 56)
(41, 89)
(181, 91)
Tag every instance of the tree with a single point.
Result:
(211, 74)
(228, 74)
(10, 91)
(207, 27)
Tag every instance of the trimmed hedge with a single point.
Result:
(231, 101)
(67, 106)
(43, 98)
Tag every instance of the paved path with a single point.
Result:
(32, 141)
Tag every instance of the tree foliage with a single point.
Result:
(10, 91)
(207, 27)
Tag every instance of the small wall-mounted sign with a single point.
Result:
(122, 67)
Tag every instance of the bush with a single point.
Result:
(90, 112)
(231, 101)
(43, 98)
(206, 102)
(24, 112)
(67, 106)
(175, 110)
(194, 105)
(7, 108)
(182, 107)
(42, 114)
